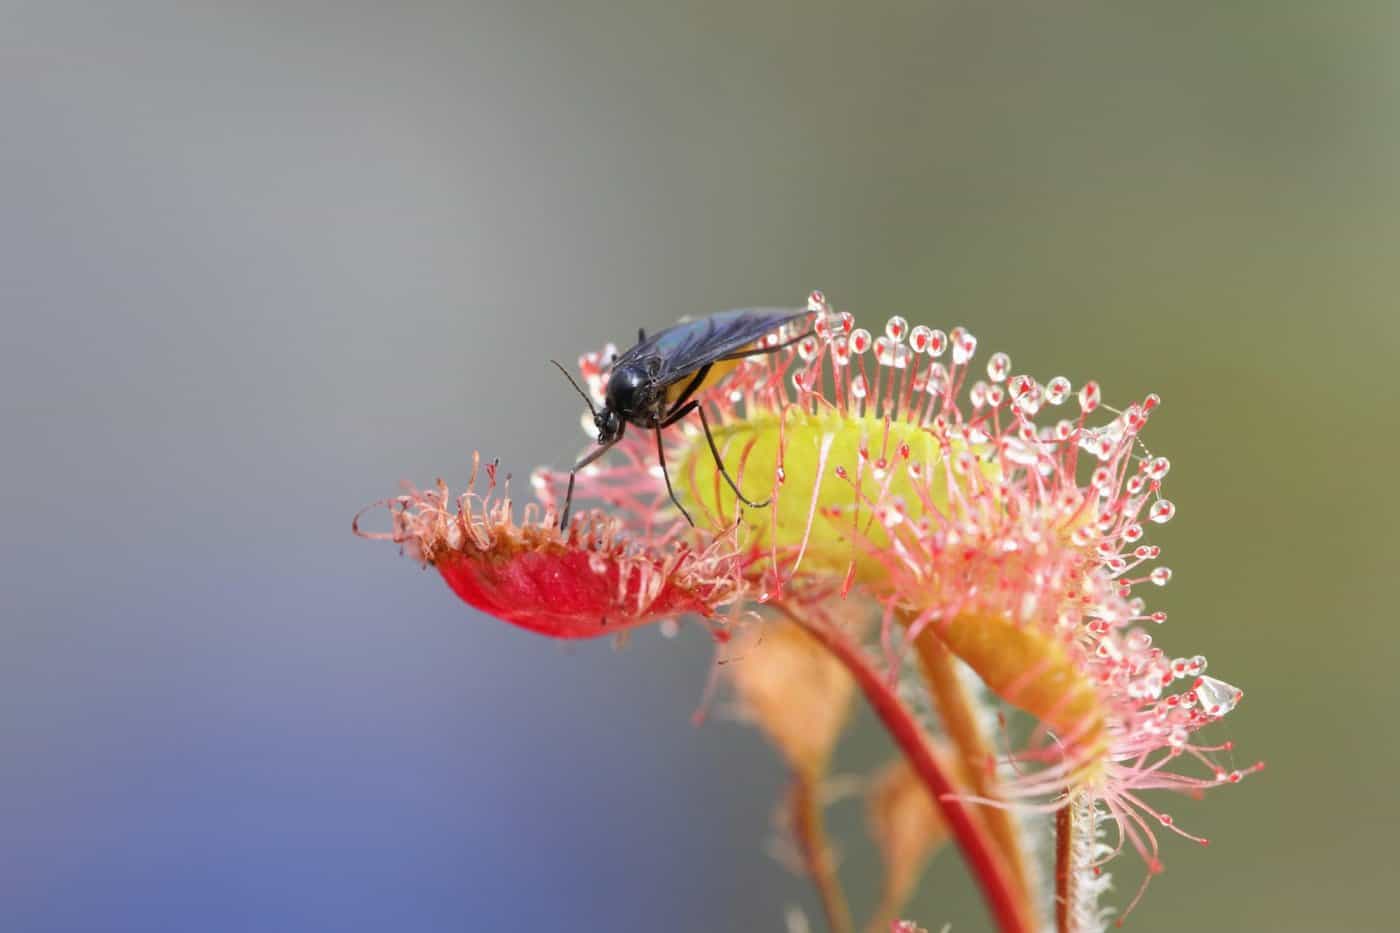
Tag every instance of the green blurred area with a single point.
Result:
(1194, 199)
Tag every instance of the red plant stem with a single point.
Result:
(979, 850)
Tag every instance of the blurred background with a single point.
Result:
(261, 262)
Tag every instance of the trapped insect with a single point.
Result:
(653, 384)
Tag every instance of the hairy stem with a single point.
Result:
(983, 856)
(1067, 826)
(1073, 848)
(809, 828)
(956, 712)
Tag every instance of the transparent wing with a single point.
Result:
(685, 347)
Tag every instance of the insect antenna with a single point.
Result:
(577, 388)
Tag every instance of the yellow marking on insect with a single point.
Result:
(717, 372)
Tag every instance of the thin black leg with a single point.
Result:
(569, 496)
(678, 413)
(661, 455)
(705, 423)
(686, 409)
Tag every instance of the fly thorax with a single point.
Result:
(627, 395)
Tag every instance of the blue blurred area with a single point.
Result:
(258, 264)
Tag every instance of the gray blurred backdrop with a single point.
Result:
(259, 262)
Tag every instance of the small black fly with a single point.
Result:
(653, 384)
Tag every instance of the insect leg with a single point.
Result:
(686, 409)
(705, 423)
(661, 455)
(569, 496)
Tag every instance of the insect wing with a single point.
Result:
(686, 347)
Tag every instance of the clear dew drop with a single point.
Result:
(937, 343)
(964, 346)
(1089, 397)
(1057, 390)
(1162, 511)
(1157, 468)
(807, 349)
(816, 302)
(919, 338)
(860, 341)
(998, 367)
(1216, 696)
(886, 350)
(1027, 395)
(858, 387)
(1161, 576)
(897, 328)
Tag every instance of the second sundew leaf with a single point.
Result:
(1031, 668)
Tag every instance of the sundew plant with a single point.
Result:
(962, 545)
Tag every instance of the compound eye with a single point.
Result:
(609, 426)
